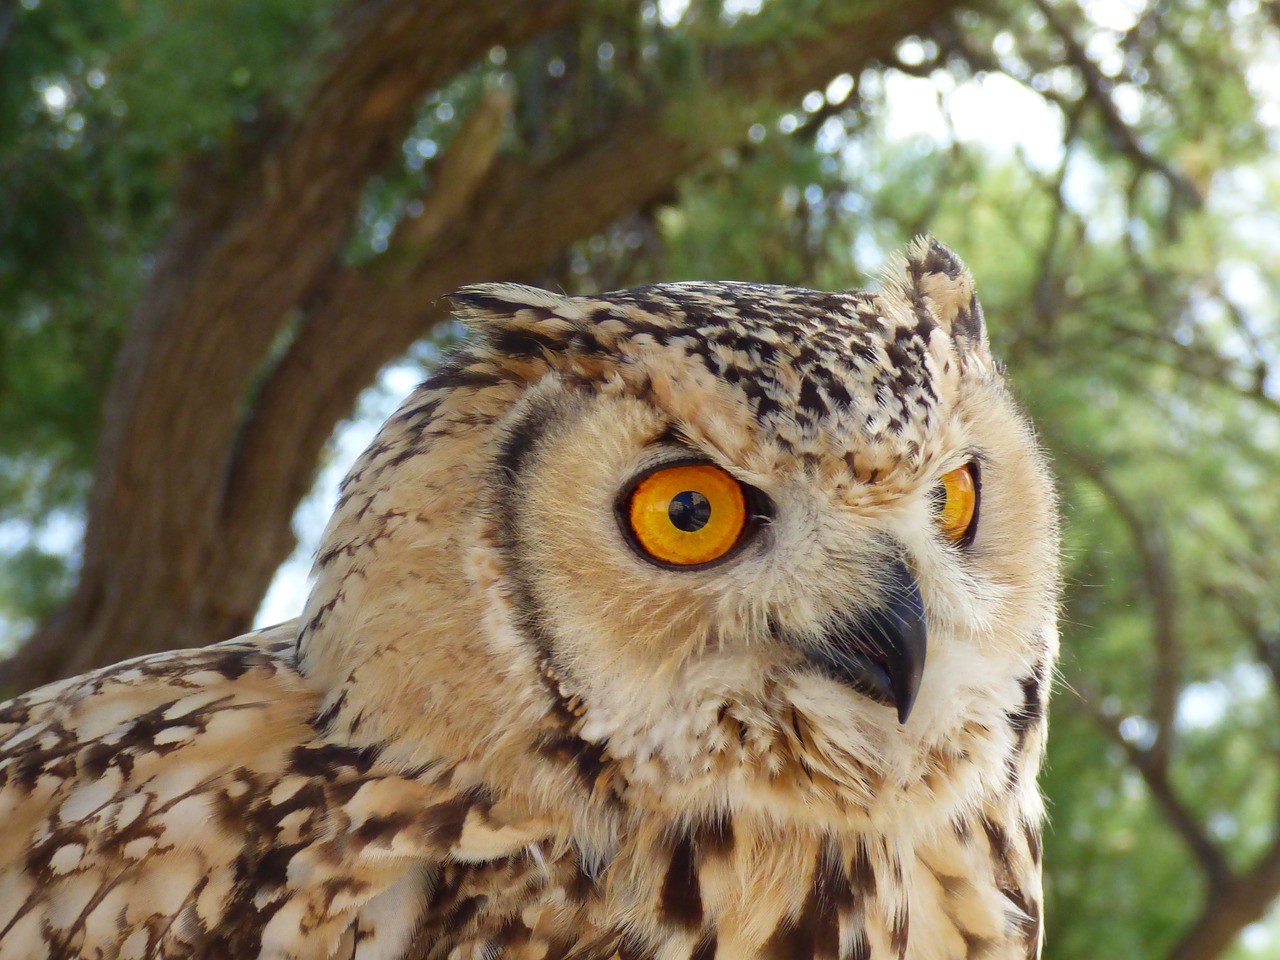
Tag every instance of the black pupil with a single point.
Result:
(689, 511)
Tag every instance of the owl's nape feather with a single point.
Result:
(505, 727)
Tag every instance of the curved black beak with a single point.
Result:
(880, 652)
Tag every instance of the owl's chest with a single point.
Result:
(704, 896)
(664, 902)
(517, 908)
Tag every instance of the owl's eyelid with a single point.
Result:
(759, 505)
(674, 448)
(680, 456)
(673, 434)
(966, 458)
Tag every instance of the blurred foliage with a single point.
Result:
(102, 106)
(1124, 253)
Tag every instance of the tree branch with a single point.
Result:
(1244, 900)
(1183, 821)
(1098, 87)
(247, 244)
(1046, 299)
(1160, 586)
(1234, 899)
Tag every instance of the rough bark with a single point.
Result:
(205, 452)
(1231, 907)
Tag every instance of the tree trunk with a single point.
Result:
(1230, 907)
(207, 449)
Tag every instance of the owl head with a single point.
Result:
(703, 545)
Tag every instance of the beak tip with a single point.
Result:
(906, 681)
(904, 699)
(881, 652)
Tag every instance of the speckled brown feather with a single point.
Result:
(498, 732)
(183, 805)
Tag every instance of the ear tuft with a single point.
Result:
(934, 281)
(489, 303)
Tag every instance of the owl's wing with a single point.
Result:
(183, 805)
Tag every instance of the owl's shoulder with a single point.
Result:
(117, 704)
(186, 720)
(187, 803)
(128, 794)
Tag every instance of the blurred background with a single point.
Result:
(226, 226)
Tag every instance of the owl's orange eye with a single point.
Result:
(956, 501)
(687, 514)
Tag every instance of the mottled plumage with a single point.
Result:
(500, 729)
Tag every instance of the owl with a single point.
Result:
(699, 621)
